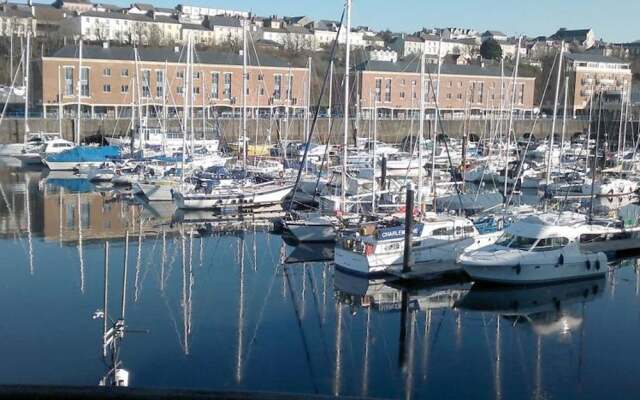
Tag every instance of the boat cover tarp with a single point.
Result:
(630, 215)
(86, 154)
(72, 185)
(471, 203)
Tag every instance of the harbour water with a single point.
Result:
(221, 310)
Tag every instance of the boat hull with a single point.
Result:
(588, 266)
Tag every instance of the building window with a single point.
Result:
(84, 82)
(261, 90)
(106, 72)
(159, 83)
(106, 88)
(260, 77)
(215, 82)
(124, 72)
(227, 86)
(68, 81)
(180, 90)
(146, 77)
(124, 89)
(477, 92)
(378, 91)
(521, 93)
(414, 84)
(387, 91)
(290, 87)
(277, 87)
(180, 74)
(196, 90)
(402, 95)
(196, 74)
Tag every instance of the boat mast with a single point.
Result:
(60, 106)
(510, 127)
(27, 58)
(555, 117)
(185, 99)
(345, 139)
(564, 119)
(244, 95)
(420, 131)
(434, 135)
(79, 109)
(375, 151)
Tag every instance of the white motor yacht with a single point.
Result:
(436, 239)
(545, 248)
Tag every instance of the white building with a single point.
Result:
(224, 29)
(125, 28)
(406, 45)
(199, 13)
(383, 55)
(16, 19)
(324, 33)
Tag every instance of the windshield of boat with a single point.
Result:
(516, 242)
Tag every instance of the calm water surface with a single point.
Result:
(223, 311)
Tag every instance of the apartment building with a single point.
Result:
(16, 19)
(395, 89)
(112, 82)
(125, 27)
(592, 75)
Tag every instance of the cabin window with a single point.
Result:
(550, 244)
(443, 232)
(522, 243)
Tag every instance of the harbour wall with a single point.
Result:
(390, 131)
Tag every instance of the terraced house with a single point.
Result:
(394, 88)
(112, 82)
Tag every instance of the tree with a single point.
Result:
(491, 50)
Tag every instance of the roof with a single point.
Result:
(195, 27)
(594, 57)
(143, 6)
(47, 12)
(413, 66)
(163, 54)
(131, 17)
(493, 33)
(220, 20)
(571, 34)
(15, 11)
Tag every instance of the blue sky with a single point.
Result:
(612, 20)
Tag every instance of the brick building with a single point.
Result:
(592, 75)
(394, 88)
(113, 82)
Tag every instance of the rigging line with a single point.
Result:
(317, 112)
(535, 121)
(317, 307)
(300, 329)
(434, 141)
(261, 314)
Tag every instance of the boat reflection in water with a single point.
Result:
(547, 309)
